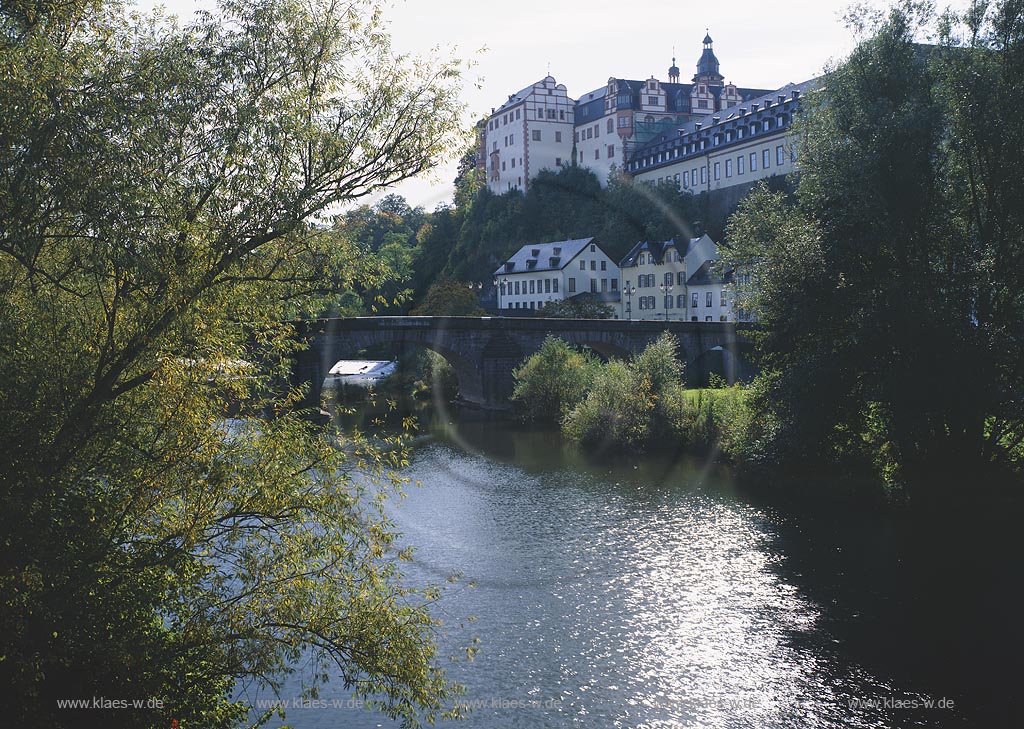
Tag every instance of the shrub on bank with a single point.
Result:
(552, 381)
(637, 405)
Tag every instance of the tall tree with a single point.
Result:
(871, 284)
(157, 186)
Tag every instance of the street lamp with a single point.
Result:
(502, 291)
(666, 289)
(629, 290)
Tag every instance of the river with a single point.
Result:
(613, 591)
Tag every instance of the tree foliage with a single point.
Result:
(890, 287)
(552, 381)
(449, 298)
(157, 185)
(633, 405)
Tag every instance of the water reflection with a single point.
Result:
(619, 592)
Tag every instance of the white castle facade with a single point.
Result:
(703, 135)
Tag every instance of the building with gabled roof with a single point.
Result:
(676, 279)
(540, 273)
(530, 132)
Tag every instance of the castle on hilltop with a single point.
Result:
(703, 135)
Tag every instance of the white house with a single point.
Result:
(530, 132)
(545, 272)
(675, 279)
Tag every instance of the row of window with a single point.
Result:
(508, 117)
(550, 113)
(689, 178)
(702, 144)
(646, 281)
(648, 302)
(549, 286)
(593, 264)
(537, 136)
(511, 116)
(671, 256)
(513, 163)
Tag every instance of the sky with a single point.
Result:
(760, 44)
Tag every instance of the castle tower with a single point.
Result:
(673, 70)
(707, 66)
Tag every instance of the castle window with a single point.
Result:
(780, 156)
(558, 136)
(739, 165)
(536, 135)
(718, 170)
(728, 168)
(766, 159)
(611, 126)
(753, 161)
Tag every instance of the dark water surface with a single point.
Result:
(654, 592)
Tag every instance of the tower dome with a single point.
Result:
(707, 66)
(673, 72)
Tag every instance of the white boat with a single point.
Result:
(361, 372)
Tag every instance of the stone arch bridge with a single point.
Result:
(483, 351)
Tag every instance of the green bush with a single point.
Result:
(618, 411)
(552, 381)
